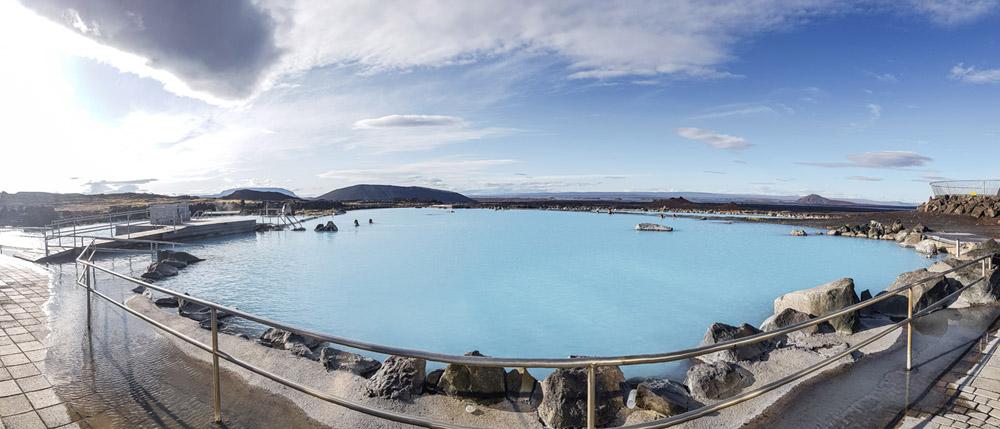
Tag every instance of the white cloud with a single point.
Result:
(714, 139)
(115, 186)
(883, 159)
(876, 111)
(865, 178)
(392, 121)
(971, 75)
(954, 12)
(884, 77)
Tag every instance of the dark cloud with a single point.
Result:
(224, 47)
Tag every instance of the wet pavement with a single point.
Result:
(27, 398)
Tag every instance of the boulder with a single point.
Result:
(194, 310)
(521, 385)
(720, 332)
(166, 302)
(481, 384)
(328, 227)
(866, 295)
(799, 233)
(300, 350)
(339, 360)
(564, 397)
(981, 293)
(159, 270)
(399, 378)
(920, 228)
(911, 239)
(280, 339)
(652, 227)
(431, 381)
(822, 300)
(791, 316)
(927, 247)
(666, 397)
(176, 264)
(184, 257)
(924, 294)
(717, 380)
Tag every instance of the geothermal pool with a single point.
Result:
(526, 283)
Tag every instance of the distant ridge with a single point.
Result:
(696, 197)
(231, 190)
(250, 194)
(817, 200)
(388, 193)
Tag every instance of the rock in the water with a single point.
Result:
(717, 380)
(399, 378)
(866, 295)
(482, 384)
(720, 332)
(791, 316)
(521, 385)
(194, 310)
(159, 270)
(822, 300)
(280, 339)
(339, 360)
(564, 397)
(927, 247)
(176, 264)
(911, 239)
(665, 397)
(652, 227)
(924, 294)
(168, 302)
(799, 233)
(139, 289)
(184, 257)
(328, 227)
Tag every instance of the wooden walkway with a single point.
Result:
(967, 396)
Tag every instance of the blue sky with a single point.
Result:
(865, 99)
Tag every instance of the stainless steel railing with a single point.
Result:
(87, 279)
(966, 187)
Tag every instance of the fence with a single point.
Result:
(88, 274)
(966, 187)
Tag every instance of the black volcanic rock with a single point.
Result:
(390, 193)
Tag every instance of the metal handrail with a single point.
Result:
(590, 363)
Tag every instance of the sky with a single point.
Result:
(848, 99)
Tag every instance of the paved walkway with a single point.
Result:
(967, 396)
(27, 400)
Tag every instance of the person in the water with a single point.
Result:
(370, 221)
(356, 223)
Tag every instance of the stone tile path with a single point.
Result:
(968, 396)
(27, 400)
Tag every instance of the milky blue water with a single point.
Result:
(528, 283)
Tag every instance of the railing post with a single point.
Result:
(91, 279)
(958, 248)
(909, 329)
(591, 398)
(216, 391)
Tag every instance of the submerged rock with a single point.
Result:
(482, 384)
(176, 264)
(399, 378)
(564, 397)
(822, 300)
(717, 380)
(339, 360)
(652, 227)
(159, 270)
(720, 332)
(184, 257)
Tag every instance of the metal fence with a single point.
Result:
(88, 275)
(966, 187)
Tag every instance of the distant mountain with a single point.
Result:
(695, 197)
(230, 191)
(250, 194)
(394, 193)
(817, 200)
